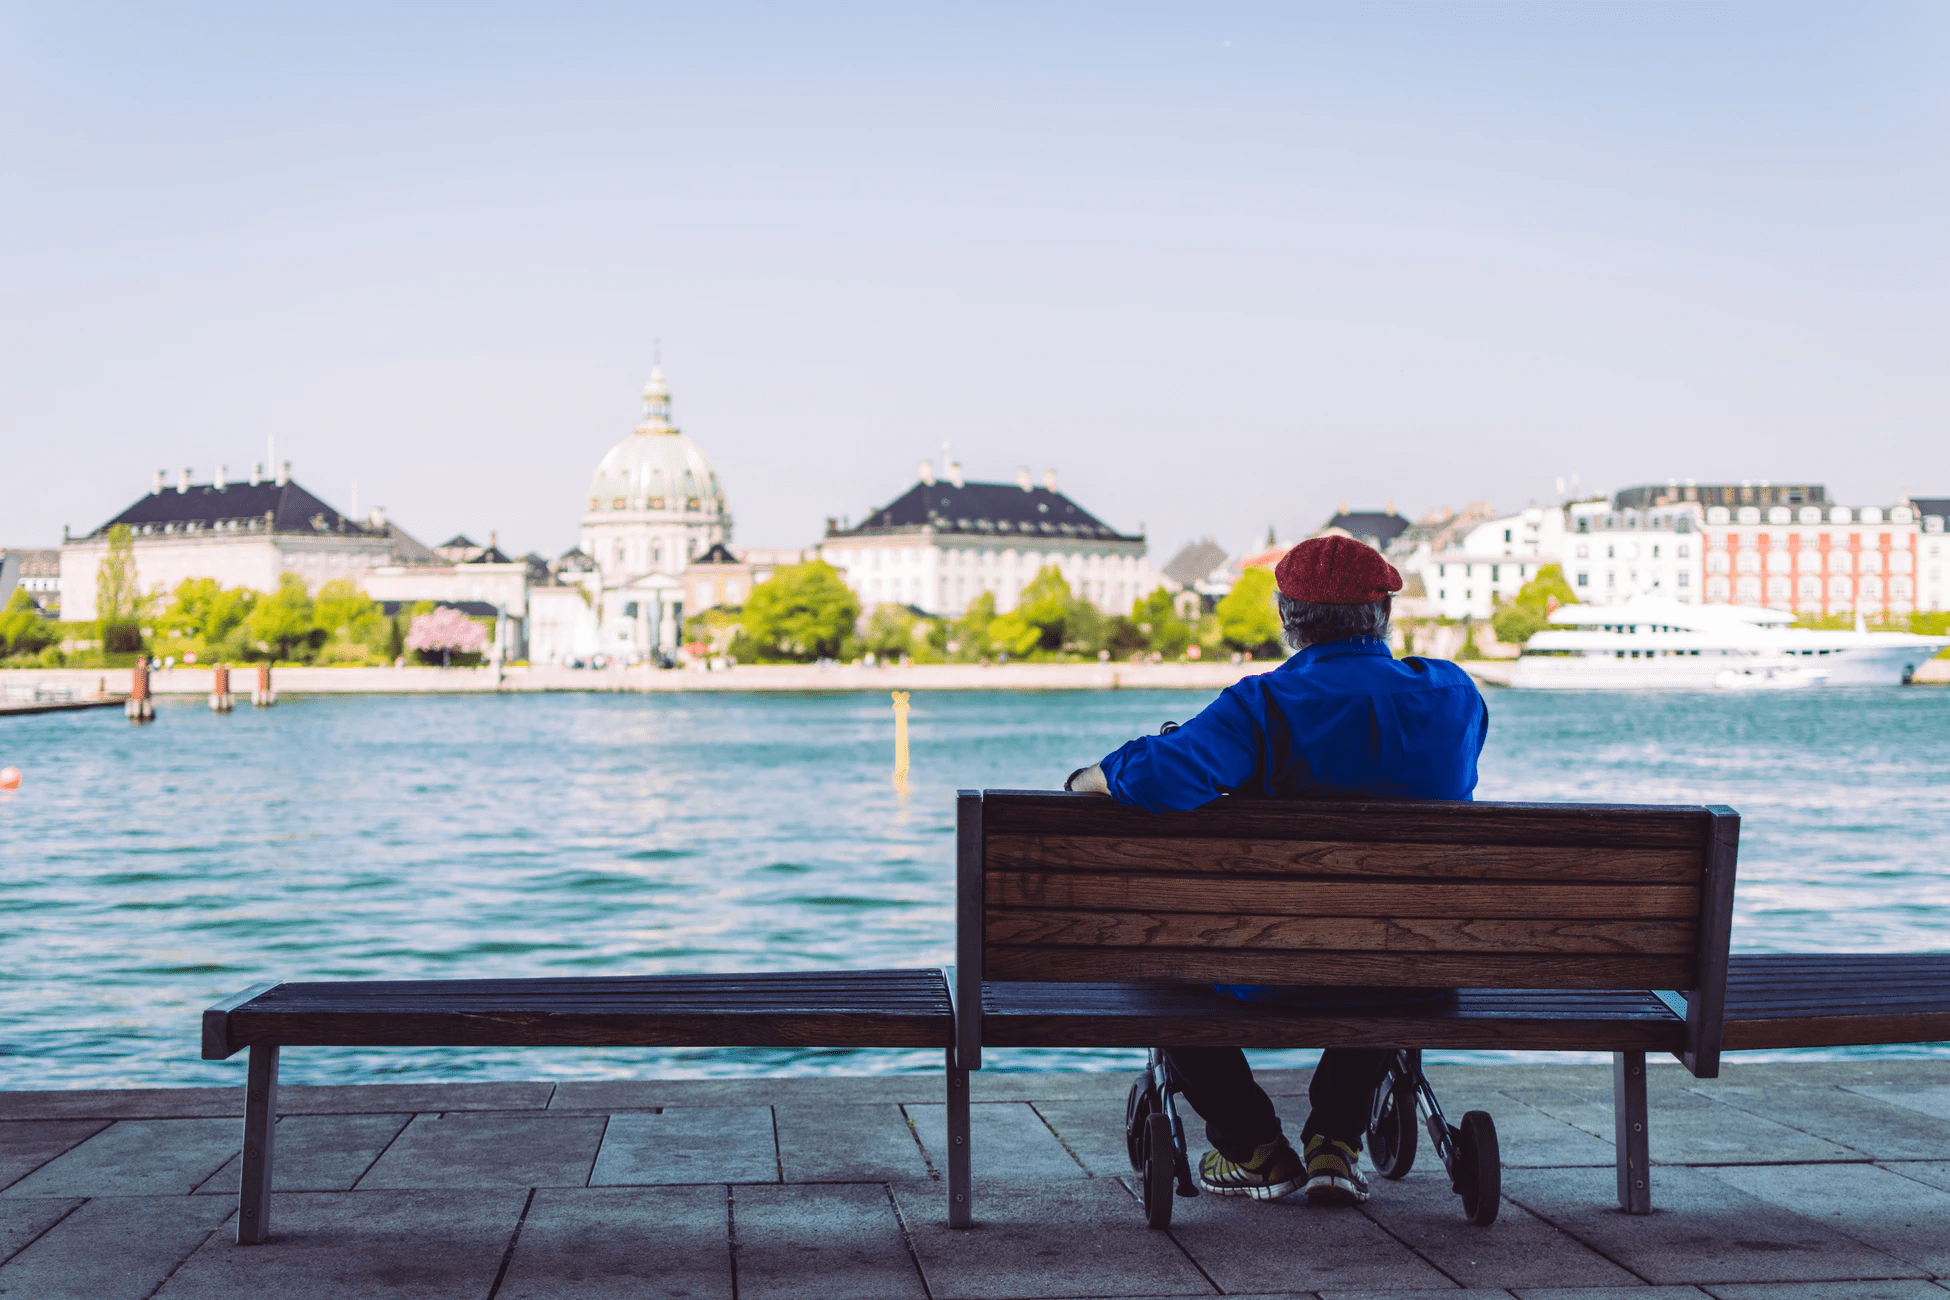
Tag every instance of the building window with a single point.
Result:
(1584, 579)
(1685, 579)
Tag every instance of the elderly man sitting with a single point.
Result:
(1341, 718)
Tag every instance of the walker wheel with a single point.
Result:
(1137, 1108)
(1156, 1177)
(1391, 1142)
(1478, 1175)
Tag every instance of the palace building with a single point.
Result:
(942, 543)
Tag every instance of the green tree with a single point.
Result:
(345, 611)
(890, 631)
(284, 618)
(803, 612)
(969, 634)
(1528, 612)
(1248, 619)
(1045, 605)
(23, 631)
(1157, 620)
(118, 601)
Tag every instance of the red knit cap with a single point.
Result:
(1335, 571)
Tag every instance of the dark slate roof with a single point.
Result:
(718, 554)
(1365, 524)
(988, 509)
(471, 608)
(1195, 561)
(459, 542)
(293, 509)
(492, 555)
(1932, 506)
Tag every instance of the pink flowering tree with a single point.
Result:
(446, 632)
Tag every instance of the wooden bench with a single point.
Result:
(875, 1008)
(1565, 927)
(1836, 999)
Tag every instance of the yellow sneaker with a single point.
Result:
(1274, 1171)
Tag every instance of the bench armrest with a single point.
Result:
(216, 1023)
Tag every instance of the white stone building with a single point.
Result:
(942, 543)
(242, 534)
(1489, 563)
(1613, 554)
(1932, 553)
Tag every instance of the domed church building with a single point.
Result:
(654, 505)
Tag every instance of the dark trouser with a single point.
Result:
(1239, 1116)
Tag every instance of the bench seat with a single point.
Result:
(873, 1008)
(1836, 999)
(1150, 1015)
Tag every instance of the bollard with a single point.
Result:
(140, 707)
(900, 738)
(221, 700)
(264, 697)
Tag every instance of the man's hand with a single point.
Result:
(1088, 780)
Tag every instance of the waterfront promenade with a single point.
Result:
(1824, 1180)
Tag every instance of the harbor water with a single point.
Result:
(146, 872)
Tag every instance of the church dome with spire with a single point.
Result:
(654, 501)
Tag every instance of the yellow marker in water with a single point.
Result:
(900, 736)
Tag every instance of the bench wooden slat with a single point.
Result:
(1318, 858)
(1414, 970)
(1032, 812)
(1777, 1000)
(1031, 927)
(1468, 899)
(1127, 1015)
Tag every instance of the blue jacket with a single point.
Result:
(1342, 719)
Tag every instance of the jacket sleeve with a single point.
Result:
(1216, 752)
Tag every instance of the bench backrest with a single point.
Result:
(1077, 889)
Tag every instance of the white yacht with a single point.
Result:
(1657, 643)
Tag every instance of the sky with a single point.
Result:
(1222, 266)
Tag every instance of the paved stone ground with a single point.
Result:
(1776, 1181)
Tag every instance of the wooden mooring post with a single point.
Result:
(264, 697)
(140, 707)
(221, 700)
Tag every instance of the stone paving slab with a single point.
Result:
(1093, 1132)
(1529, 1138)
(1243, 1244)
(489, 1150)
(316, 1153)
(1009, 1142)
(822, 1243)
(1892, 1290)
(1872, 1205)
(22, 1221)
(1934, 1173)
(1519, 1249)
(613, 1243)
(847, 1144)
(125, 1103)
(1687, 1128)
(1073, 1237)
(113, 1248)
(137, 1157)
(418, 1245)
(1703, 1230)
(1857, 1119)
(27, 1144)
(613, 1095)
(1931, 1099)
(699, 1144)
(293, 1099)
(1611, 1293)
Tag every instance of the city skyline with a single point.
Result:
(1220, 265)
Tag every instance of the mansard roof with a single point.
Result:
(292, 509)
(1382, 526)
(985, 509)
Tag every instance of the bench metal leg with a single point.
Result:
(960, 1189)
(1630, 1116)
(260, 1132)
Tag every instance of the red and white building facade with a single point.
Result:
(1815, 559)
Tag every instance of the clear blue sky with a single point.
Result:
(1220, 265)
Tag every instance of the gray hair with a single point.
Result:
(1306, 622)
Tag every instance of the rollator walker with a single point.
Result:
(1154, 1138)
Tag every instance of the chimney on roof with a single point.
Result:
(183, 480)
(223, 477)
(927, 472)
(378, 518)
(1343, 509)
(1022, 477)
(157, 486)
(257, 472)
(1049, 479)
(284, 473)
(494, 540)
(954, 472)
(1391, 505)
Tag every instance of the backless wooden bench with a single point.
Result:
(1565, 927)
(872, 1008)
